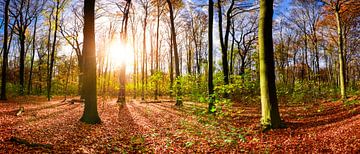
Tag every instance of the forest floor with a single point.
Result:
(134, 127)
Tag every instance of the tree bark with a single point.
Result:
(270, 117)
(224, 41)
(32, 57)
(157, 49)
(144, 54)
(52, 60)
(5, 52)
(342, 61)
(177, 67)
(210, 73)
(22, 61)
(90, 114)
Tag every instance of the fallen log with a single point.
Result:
(73, 101)
(21, 110)
(27, 143)
(158, 101)
(169, 101)
(150, 102)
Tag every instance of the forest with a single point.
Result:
(180, 76)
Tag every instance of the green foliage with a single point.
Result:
(305, 92)
(351, 102)
(193, 88)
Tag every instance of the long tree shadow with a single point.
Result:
(40, 118)
(324, 119)
(130, 133)
(167, 109)
(13, 112)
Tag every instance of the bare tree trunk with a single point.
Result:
(157, 49)
(342, 61)
(270, 113)
(90, 114)
(144, 54)
(5, 51)
(171, 67)
(122, 96)
(32, 58)
(210, 73)
(177, 67)
(52, 61)
(68, 73)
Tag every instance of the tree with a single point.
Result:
(146, 5)
(339, 7)
(71, 33)
(90, 114)
(270, 117)
(23, 13)
(176, 54)
(224, 40)
(210, 74)
(159, 12)
(124, 40)
(59, 5)
(32, 57)
(5, 51)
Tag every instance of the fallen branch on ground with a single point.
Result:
(72, 101)
(21, 110)
(158, 101)
(27, 143)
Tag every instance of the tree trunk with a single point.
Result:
(270, 117)
(210, 73)
(177, 67)
(52, 60)
(144, 57)
(225, 40)
(22, 61)
(232, 50)
(157, 49)
(342, 62)
(171, 67)
(5, 52)
(32, 57)
(68, 73)
(135, 77)
(121, 96)
(90, 114)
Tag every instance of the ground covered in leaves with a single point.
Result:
(134, 127)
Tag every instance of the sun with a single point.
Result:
(121, 53)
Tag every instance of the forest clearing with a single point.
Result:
(180, 76)
(323, 127)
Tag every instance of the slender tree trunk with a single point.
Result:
(22, 62)
(5, 52)
(121, 96)
(90, 114)
(32, 57)
(171, 67)
(52, 61)
(225, 40)
(143, 57)
(68, 73)
(232, 50)
(270, 117)
(135, 78)
(210, 73)
(49, 49)
(157, 49)
(342, 62)
(177, 67)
